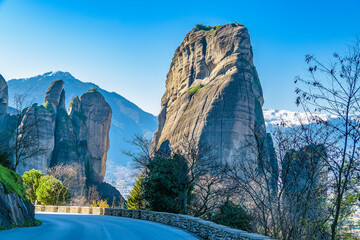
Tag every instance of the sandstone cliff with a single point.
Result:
(80, 136)
(3, 95)
(213, 92)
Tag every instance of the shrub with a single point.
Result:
(99, 203)
(93, 90)
(31, 181)
(52, 192)
(193, 90)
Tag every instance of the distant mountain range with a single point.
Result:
(127, 119)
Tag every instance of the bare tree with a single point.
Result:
(25, 143)
(334, 89)
(72, 177)
(203, 173)
(283, 197)
(142, 156)
(92, 194)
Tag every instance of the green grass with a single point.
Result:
(92, 90)
(193, 90)
(12, 182)
(211, 30)
(26, 224)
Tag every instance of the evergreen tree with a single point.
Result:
(165, 185)
(136, 198)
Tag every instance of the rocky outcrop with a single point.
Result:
(56, 95)
(80, 136)
(213, 93)
(97, 115)
(3, 96)
(43, 116)
(14, 211)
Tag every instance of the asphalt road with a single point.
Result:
(89, 227)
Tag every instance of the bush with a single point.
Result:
(52, 192)
(193, 90)
(99, 203)
(31, 181)
(232, 215)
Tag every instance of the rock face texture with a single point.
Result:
(3, 96)
(97, 113)
(213, 93)
(14, 210)
(80, 136)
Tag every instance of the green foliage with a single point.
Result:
(165, 185)
(31, 181)
(136, 198)
(26, 224)
(48, 106)
(52, 192)
(12, 182)
(232, 215)
(4, 160)
(99, 203)
(208, 29)
(92, 90)
(193, 90)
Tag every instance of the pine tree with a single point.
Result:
(136, 200)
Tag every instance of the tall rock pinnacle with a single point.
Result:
(55, 94)
(213, 93)
(3, 96)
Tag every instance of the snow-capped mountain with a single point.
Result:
(274, 117)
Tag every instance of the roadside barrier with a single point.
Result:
(202, 228)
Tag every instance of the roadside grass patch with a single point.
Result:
(12, 182)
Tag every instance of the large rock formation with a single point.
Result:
(3, 96)
(213, 93)
(80, 136)
(97, 113)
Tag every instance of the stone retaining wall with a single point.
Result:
(198, 226)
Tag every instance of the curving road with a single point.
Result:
(99, 227)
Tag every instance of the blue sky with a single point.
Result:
(127, 46)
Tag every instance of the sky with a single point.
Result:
(127, 46)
